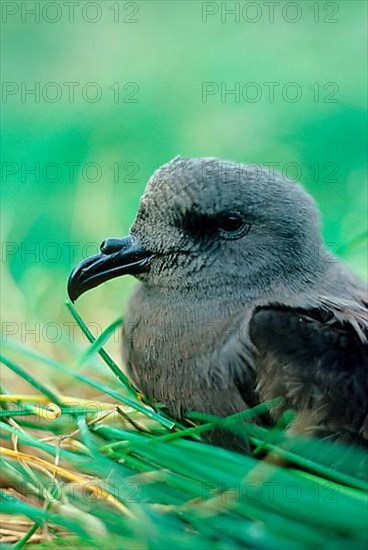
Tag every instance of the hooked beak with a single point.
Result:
(118, 257)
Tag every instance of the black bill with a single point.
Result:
(118, 257)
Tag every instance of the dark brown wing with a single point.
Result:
(318, 364)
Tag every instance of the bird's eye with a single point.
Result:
(232, 226)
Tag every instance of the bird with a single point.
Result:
(238, 301)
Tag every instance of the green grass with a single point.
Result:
(116, 471)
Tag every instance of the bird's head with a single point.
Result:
(212, 226)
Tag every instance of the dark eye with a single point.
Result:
(232, 226)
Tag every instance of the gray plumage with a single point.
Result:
(238, 300)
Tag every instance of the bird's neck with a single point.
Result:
(167, 333)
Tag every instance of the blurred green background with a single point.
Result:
(158, 54)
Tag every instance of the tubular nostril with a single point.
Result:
(109, 246)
